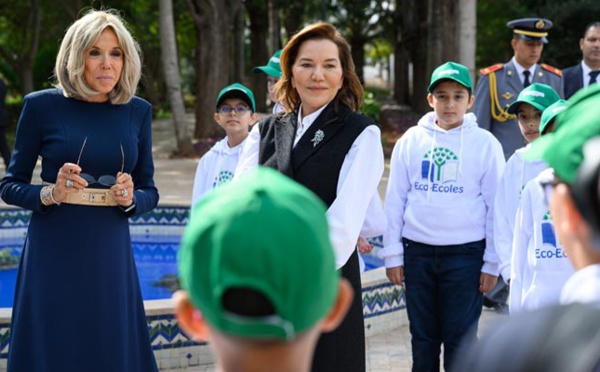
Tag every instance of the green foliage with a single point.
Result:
(370, 106)
(378, 92)
(381, 49)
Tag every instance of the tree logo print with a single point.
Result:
(223, 177)
(440, 164)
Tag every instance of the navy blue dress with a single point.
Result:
(78, 304)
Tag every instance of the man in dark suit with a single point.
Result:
(585, 73)
(498, 86)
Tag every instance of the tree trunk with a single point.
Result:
(421, 73)
(259, 55)
(172, 77)
(403, 24)
(467, 34)
(357, 45)
(212, 21)
(275, 37)
(449, 35)
(293, 16)
(239, 65)
(23, 64)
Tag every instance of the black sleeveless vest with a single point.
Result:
(314, 163)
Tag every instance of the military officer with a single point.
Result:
(499, 85)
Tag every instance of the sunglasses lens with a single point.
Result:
(107, 180)
(88, 177)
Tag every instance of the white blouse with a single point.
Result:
(358, 179)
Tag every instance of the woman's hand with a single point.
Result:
(68, 181)
(123, 189)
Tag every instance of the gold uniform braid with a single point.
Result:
(498, 113)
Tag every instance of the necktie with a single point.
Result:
(593, 75)
(527, 82)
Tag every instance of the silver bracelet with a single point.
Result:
(52, 195)
(46, 196)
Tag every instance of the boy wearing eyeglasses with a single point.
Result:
(235, 113)
(539, 266)
(528, 108)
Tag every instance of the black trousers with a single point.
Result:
(344, 348)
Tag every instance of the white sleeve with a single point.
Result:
(375, 222)
(495, 166)
(359, 176)
(396, 195)
(519, 264)
(249, 155)
(199, 187)
(503, 222)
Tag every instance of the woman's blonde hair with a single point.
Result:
(350, 93)
(70, 61)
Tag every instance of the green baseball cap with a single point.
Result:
(266, 233)
(563, 148)
(273, 67)
(236, 90)
(450, 71)
(537, 95)
(550, 113)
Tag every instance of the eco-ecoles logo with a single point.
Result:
(439, 166)
(549, 247)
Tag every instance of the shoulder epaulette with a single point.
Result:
(553, 70)
(493, 68)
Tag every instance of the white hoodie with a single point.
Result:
(540, 267)
(215, 168)
(448, 201)
(516, 175)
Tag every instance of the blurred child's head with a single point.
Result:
(244, 259)
(273, 71)
(450, 94)
(572, 150)
(549, 116)
(235, 110)
(528, 107)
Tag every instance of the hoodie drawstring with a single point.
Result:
(460, 150)
(430, 170)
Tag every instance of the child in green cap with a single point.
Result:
(559, 338)
(443, 175)
(528, 107)
(235, 113)
(273, 71)
(539, 267)
(242, 265)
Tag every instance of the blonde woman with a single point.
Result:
(78, 304)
